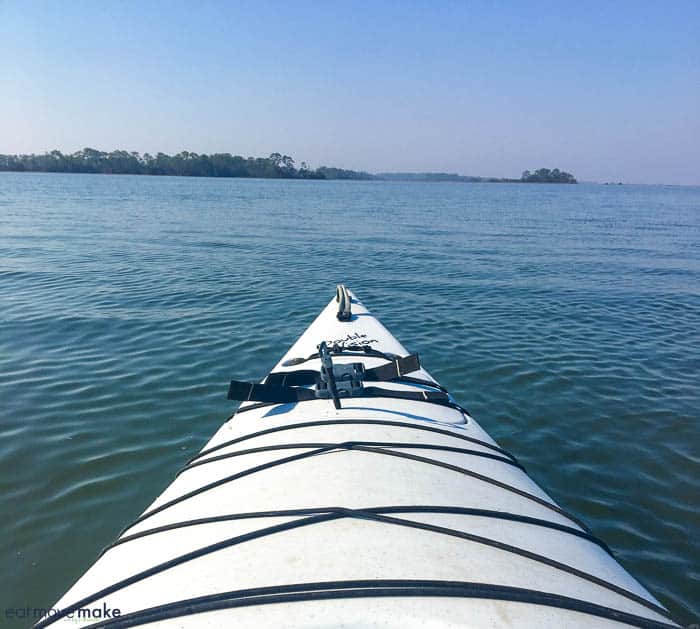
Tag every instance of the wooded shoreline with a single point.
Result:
(276, 166)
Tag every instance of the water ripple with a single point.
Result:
(566, 319)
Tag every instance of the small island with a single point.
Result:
(544, 175)
(276, 166)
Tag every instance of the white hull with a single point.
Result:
(484, 544)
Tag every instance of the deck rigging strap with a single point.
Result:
(397, 368)
(269, 393)
(335, 382)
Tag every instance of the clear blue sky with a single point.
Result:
(606, 90)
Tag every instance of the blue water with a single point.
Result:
(566, 318)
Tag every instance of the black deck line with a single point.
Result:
(354, 422)
(381, 444)
(341, 513)
(488, 513)
(335, 590)
(349, 446)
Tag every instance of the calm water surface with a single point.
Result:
(566, 318)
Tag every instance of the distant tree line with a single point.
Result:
(544, 175)
(184, 164)
(187, 164)
(341, 173)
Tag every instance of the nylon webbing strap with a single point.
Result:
(425, 396)
(384, 373)
(395, 369)
(292, 378)
(250, 392)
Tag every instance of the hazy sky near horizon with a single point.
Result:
(606, 90)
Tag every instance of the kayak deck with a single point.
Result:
(385, 511)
